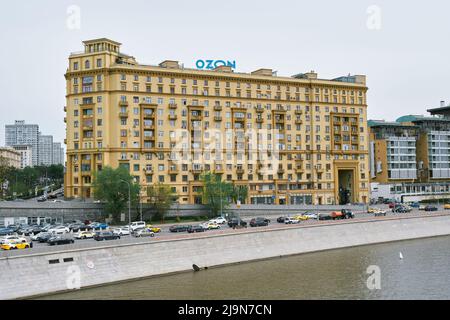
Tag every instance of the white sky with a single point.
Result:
(406, 61)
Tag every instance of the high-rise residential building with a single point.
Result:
(298, 139)
(45, 150)
(10, 157)
(410, 158)
(26, 158)
(58, 153)
(24, 135)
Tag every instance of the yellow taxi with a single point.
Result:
(13, 245)
(300, 217)
(447, 206)
(153, 229)
(373, 210)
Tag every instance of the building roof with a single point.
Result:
(382, 123)
(440, 110)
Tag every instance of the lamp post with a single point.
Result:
(129, 203)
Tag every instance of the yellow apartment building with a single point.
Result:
(290, 140)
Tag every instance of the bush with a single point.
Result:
(178, 219)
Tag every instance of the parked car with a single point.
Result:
(44, 237)
(42, 199)
(6, 231)
(193, 229)
(431, 208)
(311, 215)
(281, 219)
(401, 209)
(179, 228)
(343, 214)
(210, 225)
(144, 233)
(122, 231)
(237, 222)
(137, 225)
(13, 245)
(79, 226)
(99, 226)
(447, 206)
(84, 235)
(372, 210)
(30, 230)
(300, 217)
(259, 222)
(153, 228)
(59, 230)
(380, 213)
(59, 240)
(414, 204)
(218, 220)
(392, 205)
(106, 235)
(324, 216)
(12, 238)
(290, 220)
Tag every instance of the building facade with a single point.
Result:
(26, 155)
(21, 134)
(410, 158)
(296, 139)
(58, 154)
(10, 157)
(45, 150)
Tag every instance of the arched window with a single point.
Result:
(87, 64)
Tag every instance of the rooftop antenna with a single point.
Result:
(275, 73)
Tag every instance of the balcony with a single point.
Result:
(298, 121)
(173, 169)
(149, 138)
(240, 170)
(259, 120)
(197, 170)
(280, 171)
(173, 106)
(123, 103)
(298, 169)
(173, 117)
(150, 126)
(298, 112)
(148, 115)
(279, 120)
(148, 171)
(217, 108)
(123, 114)
(217, 118)
(219, 170)
(65, 109)
(259, 109)
(197, 117)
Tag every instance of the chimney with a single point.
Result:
(442, 104)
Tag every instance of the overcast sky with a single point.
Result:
(401, 46)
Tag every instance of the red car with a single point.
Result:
(391, 205)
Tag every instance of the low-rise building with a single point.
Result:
(10, 157)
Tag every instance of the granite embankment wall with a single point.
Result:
(36, 274)
(77, 210)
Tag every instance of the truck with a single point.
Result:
(343, 214)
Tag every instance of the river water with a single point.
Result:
(423, 273)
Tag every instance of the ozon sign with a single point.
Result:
(212, 64)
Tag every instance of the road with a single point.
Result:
(165, 234)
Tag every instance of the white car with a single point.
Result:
(84, 235)
(138, 225)
(122, 231)
(59, 230)
(311, 215)
(12, 238)
(218, 220)
(290, 220)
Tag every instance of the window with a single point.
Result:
(75, 66)
(99, 63)
(87, 64)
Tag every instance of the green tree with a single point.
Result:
(162, 198)
(239, 193)
(109, 187)
(216, 194)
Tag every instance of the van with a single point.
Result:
(137, 225)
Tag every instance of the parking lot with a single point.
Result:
(165, 234)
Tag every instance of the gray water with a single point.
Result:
(423, 273)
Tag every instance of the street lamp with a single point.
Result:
(129, 203)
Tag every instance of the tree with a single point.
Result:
(162, 198)
(109, 187)
(4, 172)
(240, 193)
(216, 194)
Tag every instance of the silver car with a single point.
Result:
(144, 233)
